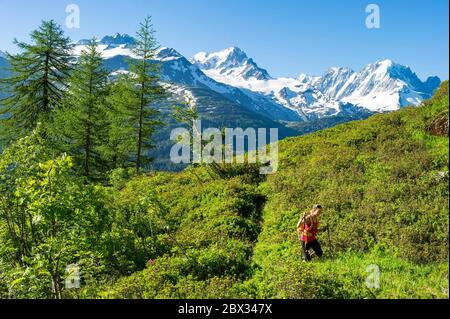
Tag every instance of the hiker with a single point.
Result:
(307, 228)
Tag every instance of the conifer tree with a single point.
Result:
(146, 80)
(122, 101)
(37, 82)
(81, 124)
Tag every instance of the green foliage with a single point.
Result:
(48, 218)
(37, 82)
(120, 147)
(385, 205)
(187, 114)
(383, 182)
(378, 181)
(345, 277)
(81, 126)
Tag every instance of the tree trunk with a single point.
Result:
(57, 287)
(141, 120)
(46, 99)
(88, 143)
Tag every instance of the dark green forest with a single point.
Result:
(76, 188)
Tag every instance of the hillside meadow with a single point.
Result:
(228, 232)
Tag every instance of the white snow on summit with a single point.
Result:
(231, 63)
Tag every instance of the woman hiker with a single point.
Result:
(307, 228)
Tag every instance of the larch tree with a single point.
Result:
(120, 148)
(149, 90)
(81, 123)
(37, 81)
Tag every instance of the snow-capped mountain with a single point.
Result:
(381, 86)
(231, 90)
(230, 63)
(219, 104)
(178, 71)
(109, 46)
(378, 87)
(183, 75)
(297, 95)
(332, 82)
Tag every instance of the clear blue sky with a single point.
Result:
(287, 37)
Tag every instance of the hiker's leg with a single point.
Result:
(305, 253)
(315, 245)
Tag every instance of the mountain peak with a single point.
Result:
(381, 66)
(338, 69)
(230, 62)
(387, 62)
(304, 78)
(380, 86)
(112, 40)
(118, 39)
(234, 50)
(166, 54)
(232, 56)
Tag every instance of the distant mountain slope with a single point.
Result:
(378, 87)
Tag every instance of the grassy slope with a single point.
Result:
(385, 195)
(384, 200)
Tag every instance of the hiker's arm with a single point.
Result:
(301, 223)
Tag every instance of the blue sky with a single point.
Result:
(287, 37)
